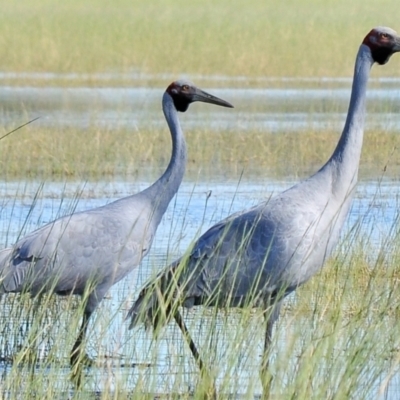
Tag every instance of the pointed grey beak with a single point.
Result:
(397, 44)
(200, 95)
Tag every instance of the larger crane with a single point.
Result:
(259, 256)
(87, 252)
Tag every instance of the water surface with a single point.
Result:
(293, 106)
(28, 205)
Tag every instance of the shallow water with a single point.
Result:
(196, 206)
(295, 105)
(28, 205)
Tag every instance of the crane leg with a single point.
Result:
(266, 377)
(29, 352)
(77, 355)
(32, 348)
(79, 358)
(211, 392)
(181, 323)
(270, 316)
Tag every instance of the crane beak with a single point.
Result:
(200, 95)
(397, 45)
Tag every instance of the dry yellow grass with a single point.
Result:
(99, 153)
(242, 38)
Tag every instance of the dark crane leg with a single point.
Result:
(32, 349)
(79, 358)
(265, 375)
(271, 315)
(211, 393)
(181, 323)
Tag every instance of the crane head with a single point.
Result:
(183, 93)
(383, 42)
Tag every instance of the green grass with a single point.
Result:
(141, 155)
(337, 339)
(249, 38)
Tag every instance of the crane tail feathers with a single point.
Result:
(157, 303)
(5, 256)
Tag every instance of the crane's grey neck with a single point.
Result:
(163, 190)
(345, 159)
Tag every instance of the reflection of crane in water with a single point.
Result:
(259, 256)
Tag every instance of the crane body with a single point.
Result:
(258, 256)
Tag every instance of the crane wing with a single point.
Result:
(63, 255)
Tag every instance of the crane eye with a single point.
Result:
(185, 87)
(384, 36)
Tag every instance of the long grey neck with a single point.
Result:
(344, 161)
(163, 190)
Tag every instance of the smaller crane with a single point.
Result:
(87, 252)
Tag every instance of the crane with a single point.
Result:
(258, 256)
(87, 252)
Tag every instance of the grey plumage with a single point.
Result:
(90, 251)
(258, 256)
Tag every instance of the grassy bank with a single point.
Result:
(249, 38)
(103, 154)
